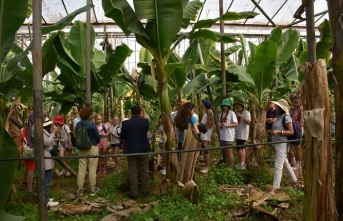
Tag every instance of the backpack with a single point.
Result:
(297, 131)
(83, 142)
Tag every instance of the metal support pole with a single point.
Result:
(38, 107)
(88, 56)
(311, 37)
(222, 58)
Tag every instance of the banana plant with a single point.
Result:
(68, 54)
(15, 81)
(164, 21)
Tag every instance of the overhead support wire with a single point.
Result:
(303, 19)
(96, 19)
(278, 10)
(64, 6)
(263, 12)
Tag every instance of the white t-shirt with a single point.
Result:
(228, 133)
(116, 131)
(208, 135)
(75, 121)
(63, 133)
(242, 130)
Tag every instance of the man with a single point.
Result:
(134, 134)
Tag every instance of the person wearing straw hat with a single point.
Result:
(49, 163)
(227, 121)
(281, 149)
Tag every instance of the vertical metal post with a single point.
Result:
(222, 58)
(222, 51)
(38, 107)
(88, 56)
(310, 28)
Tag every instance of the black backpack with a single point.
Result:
(297, 131)
(83, 142)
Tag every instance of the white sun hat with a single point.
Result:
(283, 104)
(47, 122)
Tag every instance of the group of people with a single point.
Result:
(234, 128)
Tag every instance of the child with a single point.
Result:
(64, 138)
(115, 138)
(102, 129)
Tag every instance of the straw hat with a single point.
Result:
(47, 122)
(283, 104)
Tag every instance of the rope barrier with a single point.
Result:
(151, 153)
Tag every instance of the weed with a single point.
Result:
(223, 174)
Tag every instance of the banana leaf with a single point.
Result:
(8, 149)
(12, 16)
(263, 67)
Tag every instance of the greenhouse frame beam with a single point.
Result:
(263, 12)
(303, 19)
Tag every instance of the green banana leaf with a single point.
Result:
(11, 87)
(199, 83)
(64, 21)
(12, 16)
(263, 67)
(8, 149)
(211, 35)
(145, 55)
(190, 12)
(77, 44)
(49, 55)
(287, 46)
(276, 35)
(232, 50)
(191, 56)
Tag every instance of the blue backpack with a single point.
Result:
(297, 131)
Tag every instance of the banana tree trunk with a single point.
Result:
(254, 156)
(171, 159)
(335, 11)
(319, 194)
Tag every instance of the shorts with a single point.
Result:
(30, 165)
(64, 144)
(102, 144)
(115, 144)
(207, 136)
(240, 142)
(224, 142)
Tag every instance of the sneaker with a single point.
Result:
(68, 173)
(204, 170)
(51, 203)
(95, 191)
(62, 173)
(163, 171)
(57, 172)
(51, 199)
(145, 194)
(79, 192)
(130, 195)
(240, 166)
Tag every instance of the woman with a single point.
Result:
(115, 139)
(102, 130)
(280, 134)
(242, 132)
(86, 114)
(183, 117)
(228, 122)
(64, 139)
(207, 120)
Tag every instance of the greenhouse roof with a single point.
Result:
(271, 13)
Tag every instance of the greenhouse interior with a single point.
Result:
(171, 110)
